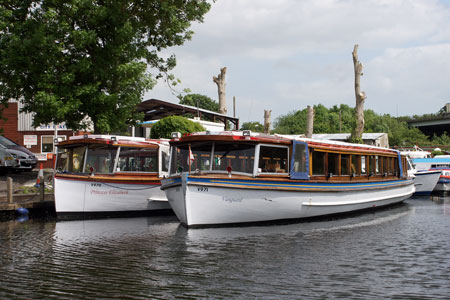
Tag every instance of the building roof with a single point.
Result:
(155, 109)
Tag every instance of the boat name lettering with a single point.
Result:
(202, 189)
(231, 200)
(96, 184)
(109, 192)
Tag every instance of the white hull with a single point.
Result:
(197, 205)
(442, 187)
(78, 196)
(425, 182)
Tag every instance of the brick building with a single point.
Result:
(18, 127)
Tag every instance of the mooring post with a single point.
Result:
(41, 188)
(10, 189)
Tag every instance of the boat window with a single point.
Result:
(385, 165)
(165, 161)
(299, 158)
(333, 164)
(396, 169)
(363, 164)
(201, 156)
(377, 164)
(240, 157)
(133, 159)
(273, 159)
(389, 165)
(345, 162)
(354, 164)
(70, 160)
(100, 159)
(179, 159)
(318, 162)
(371, 164)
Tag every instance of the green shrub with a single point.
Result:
(164, 127)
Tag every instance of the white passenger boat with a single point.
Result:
(101, 175)
(243, 177)
(424, 180)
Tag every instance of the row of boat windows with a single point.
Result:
(221, 157)
(330, 164)
(104, 159)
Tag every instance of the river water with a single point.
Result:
(398, 253)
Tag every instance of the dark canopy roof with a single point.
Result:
(156, 109)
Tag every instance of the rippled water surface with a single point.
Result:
(397, 253)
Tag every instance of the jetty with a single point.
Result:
(36, 200)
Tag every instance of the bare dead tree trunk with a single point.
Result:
(220, 81)
(360, 96)
(309, 122)
(267, 121)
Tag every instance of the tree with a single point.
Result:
(164, 127)
(79, 60)
(220, 81)
(360, 97)
(253, 126)
(203, 102)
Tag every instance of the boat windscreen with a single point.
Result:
(138, 160)
(239, 157)
(70, 160)
(100, 159)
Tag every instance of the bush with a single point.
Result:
(164, 127)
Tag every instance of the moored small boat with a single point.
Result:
(243, 177)
(443, 185)
(101, 175)
(424, 180)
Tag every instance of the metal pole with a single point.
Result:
(189, 159)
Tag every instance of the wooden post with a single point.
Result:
(309, 122)
(41, 188)
(220, 81)
(360, 96)
(267, 121)
(10, 189)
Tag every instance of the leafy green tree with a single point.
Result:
(164, 127)
(253, 126)
(70, 61)
(341, 119)
(203, 102)
(444, 139)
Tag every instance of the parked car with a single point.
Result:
(27, 160)
(7, 160)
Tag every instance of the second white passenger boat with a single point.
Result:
(243, 177)
(101, 175)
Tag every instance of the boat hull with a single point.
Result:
(219, 202)
(425, 182)
(79, 197)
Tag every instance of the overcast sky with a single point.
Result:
(286, 54)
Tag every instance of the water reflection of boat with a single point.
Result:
(242, 177)
(99, 175)
(77, 231)
(357, 220)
